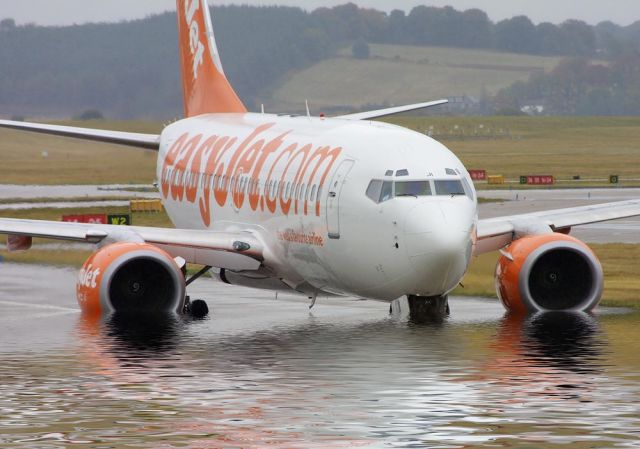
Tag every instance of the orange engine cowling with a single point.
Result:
(550, 272)
(130, 278)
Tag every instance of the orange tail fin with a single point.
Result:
(206, 89)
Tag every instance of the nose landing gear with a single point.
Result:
(428, 309)
(197, 308)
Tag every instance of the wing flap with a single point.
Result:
(52, 230)
(146, 141)
(230, 250)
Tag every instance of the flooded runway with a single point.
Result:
(267, 372)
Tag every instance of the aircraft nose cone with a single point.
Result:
(438, 227)
(439, 243)
(424, 218)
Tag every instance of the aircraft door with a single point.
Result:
(333, 198)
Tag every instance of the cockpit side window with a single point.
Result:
(468, 189)
(449, 187)
(374, 189)
(380, 191)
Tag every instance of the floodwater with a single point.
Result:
(265, 372)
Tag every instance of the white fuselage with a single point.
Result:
(343, 207)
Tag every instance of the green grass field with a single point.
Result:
(592, 147)
(72, 161)
(398, 74)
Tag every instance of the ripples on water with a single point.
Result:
(546, 381)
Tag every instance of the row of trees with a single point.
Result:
(425, 25)
(129, 69)
(578, 86)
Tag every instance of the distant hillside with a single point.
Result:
(396, 74)
(130, 69)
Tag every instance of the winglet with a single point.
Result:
(206, 89)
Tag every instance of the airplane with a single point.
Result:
(320, 206)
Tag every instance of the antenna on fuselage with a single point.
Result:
(306, 102)
(262, 108)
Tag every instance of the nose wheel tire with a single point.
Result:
(197, 308)
(428, 309)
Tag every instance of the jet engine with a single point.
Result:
(130, 278)
(550, 272)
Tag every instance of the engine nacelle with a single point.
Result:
(130, 278)
(550, 272)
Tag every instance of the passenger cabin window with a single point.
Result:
(449, 187)
(413, 188)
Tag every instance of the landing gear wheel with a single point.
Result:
(197, 308)
(428, 309)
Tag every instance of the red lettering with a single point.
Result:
(267, 150)
(271, 202)
(215, 153)
(244, 168)
(304, 152)
(180, 173)
(285, 206)
(221, 194)
(168, 162)
(194, 165)
(322, 154)
(196, 169)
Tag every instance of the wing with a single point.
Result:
(237, 251)
(391, 111)
(147, 141)
(495, 233)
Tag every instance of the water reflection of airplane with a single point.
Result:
(553, 355)
(157, 359)
(140, 354)
(256, 376)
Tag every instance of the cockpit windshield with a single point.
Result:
(449, 187)
(413, 188)
(380, 191)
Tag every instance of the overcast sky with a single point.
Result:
(65, 12)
